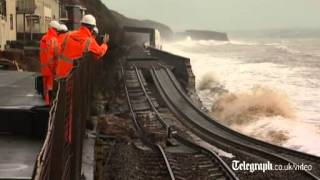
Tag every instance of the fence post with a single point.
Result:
(56, 159)
(61, 155)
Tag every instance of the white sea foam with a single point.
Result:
(287, 49)
(246, 43)
(189, 42)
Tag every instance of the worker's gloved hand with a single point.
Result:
(106, 39)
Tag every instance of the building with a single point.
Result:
(34, 16)
(7, 22)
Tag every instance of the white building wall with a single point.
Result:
(8, 24)
(2, 34)
(54, 5)
(47, 10)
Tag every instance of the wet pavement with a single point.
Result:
(18, 156)
(17, 91)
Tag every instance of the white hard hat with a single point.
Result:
(89, 19)
(96, 30)
(54, 24)
(63, 28)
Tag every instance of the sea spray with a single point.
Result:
(209, 80)
(244, 107)
(238, 67)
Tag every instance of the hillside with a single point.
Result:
(165, 31)
(105, 20)
(112, 21)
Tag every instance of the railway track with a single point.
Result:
(185, 159)
(221, 136)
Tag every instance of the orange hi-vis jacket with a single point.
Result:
(61, 38)
(73, 46)
(49, 52)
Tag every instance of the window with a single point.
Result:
(11, 21)
(3, 8)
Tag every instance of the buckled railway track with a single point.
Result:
(221, 136)
(183, 159)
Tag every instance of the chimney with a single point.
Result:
(74, 11)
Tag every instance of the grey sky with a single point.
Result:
(223, 14)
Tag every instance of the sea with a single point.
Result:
(265, 87)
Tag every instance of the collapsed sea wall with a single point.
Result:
(180, 66)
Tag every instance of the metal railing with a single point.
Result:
(61, 155)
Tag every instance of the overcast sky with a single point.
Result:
(223, 14)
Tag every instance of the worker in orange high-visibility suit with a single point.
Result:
(73, 47)
(63, 30)
(76, 43)
(95, 32)
(49, 53)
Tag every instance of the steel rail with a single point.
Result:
(213, 136)
(164, 124)
(165, 158)
(141, 131)
(225, 168)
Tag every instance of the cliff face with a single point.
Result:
(105, 20)
(105, 82)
